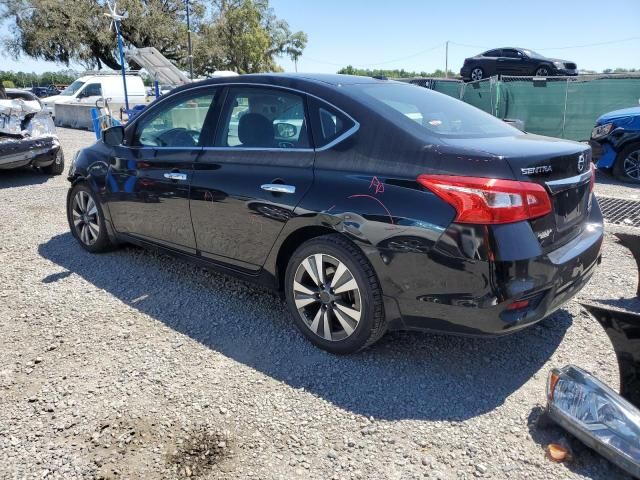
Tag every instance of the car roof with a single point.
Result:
(285, 79)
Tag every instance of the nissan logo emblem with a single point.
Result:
(581, 163)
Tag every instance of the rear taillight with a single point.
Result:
(489, 200)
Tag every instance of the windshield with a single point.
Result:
(436, 113)
(73, 88)
(532, 54)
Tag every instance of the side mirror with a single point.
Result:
(286, 130)
(113, 136)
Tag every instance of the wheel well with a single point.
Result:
(292, 242)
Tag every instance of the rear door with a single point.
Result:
(149, 177)
(247, 183)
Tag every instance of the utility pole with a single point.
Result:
(446, 60)
(189, 41)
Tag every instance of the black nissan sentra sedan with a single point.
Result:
(372, 205)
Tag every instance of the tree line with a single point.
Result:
(25, 79)
(397, 73)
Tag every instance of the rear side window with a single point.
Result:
(328, 123)
(409, 106)
(257, 117)
(491, 53)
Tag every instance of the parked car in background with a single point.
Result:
(615, 141)
(90, 88)
(27, 134)
(514, 61)
(43, 92)
(371, 204)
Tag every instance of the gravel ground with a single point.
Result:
(133, 365)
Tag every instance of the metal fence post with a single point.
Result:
(564, 113)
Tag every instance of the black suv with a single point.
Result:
(371, 204)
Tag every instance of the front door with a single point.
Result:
(246, 185)
(149, 177)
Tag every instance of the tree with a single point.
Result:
(245, 36)
(240, 35)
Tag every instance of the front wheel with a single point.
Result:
(627, 166)
(86, 219)
(542, 72)
(334, 295)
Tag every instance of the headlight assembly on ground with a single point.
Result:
(596, 415)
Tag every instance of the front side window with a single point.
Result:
(176, 125)
(435, 113)
(511, 53)
(263, 118)
(92, 90)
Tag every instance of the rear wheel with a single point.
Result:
(477, 74)
(627, 166)
(86, 220)
(334, 295)
(57, 167)
(542, 72)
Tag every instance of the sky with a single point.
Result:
(411, 34)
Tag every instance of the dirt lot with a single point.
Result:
(135, 365)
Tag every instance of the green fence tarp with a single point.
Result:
(453, 89)
(480, 94)
(564, 107)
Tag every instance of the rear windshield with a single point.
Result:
(436, 113)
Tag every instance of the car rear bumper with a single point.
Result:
(471, 297)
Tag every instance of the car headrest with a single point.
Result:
(255, 130)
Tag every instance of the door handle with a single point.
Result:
(175, 176)
(278, 188)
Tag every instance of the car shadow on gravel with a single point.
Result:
(404, 376)
(22, 177)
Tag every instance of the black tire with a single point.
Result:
(371, 325)
(542, 71)
(89, 240)
(630, 153)
(57, 167)
(479, 75)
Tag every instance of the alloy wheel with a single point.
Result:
(631, 165)
(542, 72)
(327, 297)
(476, 74)
(86, 217)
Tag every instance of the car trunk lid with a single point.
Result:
(562, 167)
